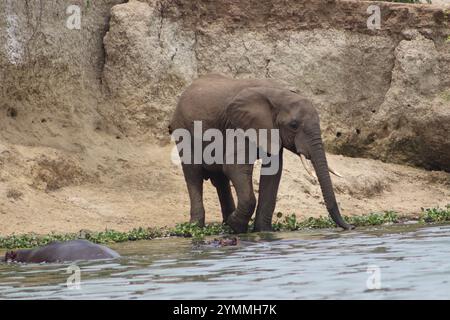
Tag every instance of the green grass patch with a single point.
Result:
(282, 223)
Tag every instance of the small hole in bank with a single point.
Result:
(11, 112)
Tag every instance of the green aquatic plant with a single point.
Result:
(112, 236)
(435, 215)
(192, 230)
(375, 219)
(32, 240)
(290, 223)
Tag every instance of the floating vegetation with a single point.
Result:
(431, 215)
(282, 223)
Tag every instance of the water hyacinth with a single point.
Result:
(282, 223)
(435, 214)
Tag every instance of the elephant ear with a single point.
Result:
(252, 108)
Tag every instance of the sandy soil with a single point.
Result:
(120, 185)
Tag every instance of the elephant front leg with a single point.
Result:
(241, 177)
(193, 175)
(268, 190)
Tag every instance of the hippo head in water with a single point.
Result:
(10, 256)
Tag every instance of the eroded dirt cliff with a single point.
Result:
(83, 113)
(382, 93)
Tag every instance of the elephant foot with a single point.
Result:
(200, 222)
(236, 224)
(262, 228)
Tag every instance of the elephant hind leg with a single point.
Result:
(222, 184)
(193, 174)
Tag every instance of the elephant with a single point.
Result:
(68, 251)
(223, 103)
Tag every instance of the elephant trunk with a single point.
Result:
(320, 165)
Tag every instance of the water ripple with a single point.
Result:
(409, 263)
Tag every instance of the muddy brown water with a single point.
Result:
(389, 262)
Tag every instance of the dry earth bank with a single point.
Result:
(83, 112)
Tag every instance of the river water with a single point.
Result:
(389, 262)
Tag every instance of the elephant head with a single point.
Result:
(299, 129)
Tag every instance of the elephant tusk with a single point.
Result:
(334, 172)
(307, 165)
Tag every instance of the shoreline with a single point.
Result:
(281, 223)
(123, 191)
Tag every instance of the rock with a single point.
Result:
(413, 123)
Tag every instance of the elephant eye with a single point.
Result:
(293, 124)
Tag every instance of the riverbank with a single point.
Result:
(282, 223)
(118, 185)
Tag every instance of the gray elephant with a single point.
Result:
(222, 103)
